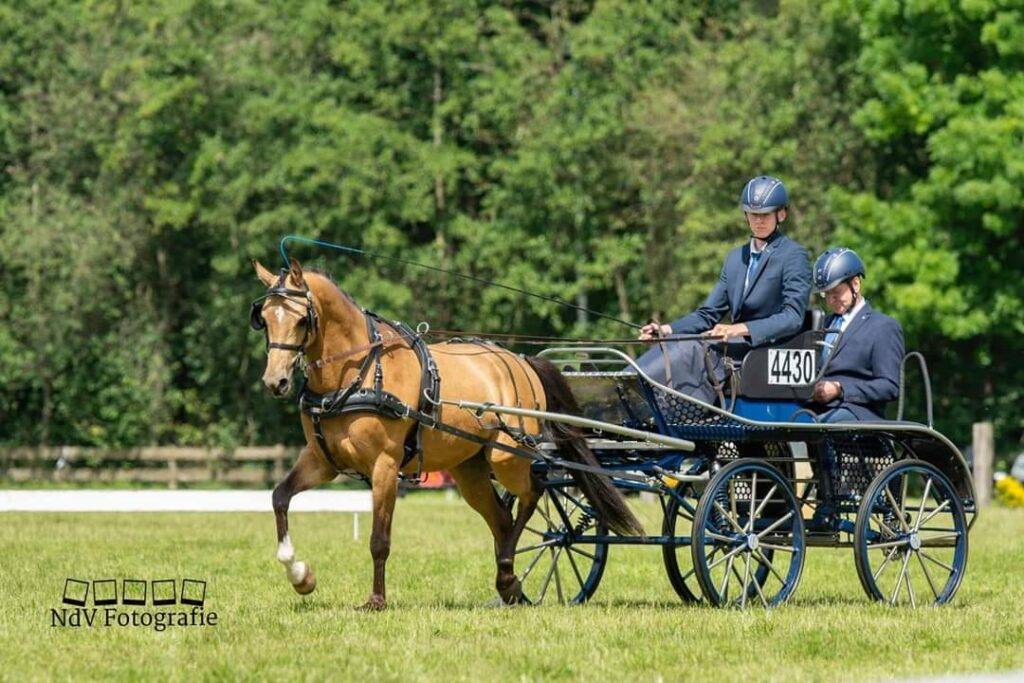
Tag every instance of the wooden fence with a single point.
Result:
(172, 466)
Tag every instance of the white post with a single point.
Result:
(355, 526)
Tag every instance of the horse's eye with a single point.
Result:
(302, 322)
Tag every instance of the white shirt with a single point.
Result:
(753, 250)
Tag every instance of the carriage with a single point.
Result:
(753, 485)
(746, 484)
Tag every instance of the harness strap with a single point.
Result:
(333, 404)
(390, 406)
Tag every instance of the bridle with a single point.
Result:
(299, 296)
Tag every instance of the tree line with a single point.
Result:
(592, 151)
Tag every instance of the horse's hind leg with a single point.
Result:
(473, 477)
(515, 474)
(309, 471)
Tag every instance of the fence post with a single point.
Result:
(172, 469)
(984, 454)
(278, 472)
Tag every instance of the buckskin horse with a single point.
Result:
(370, 407)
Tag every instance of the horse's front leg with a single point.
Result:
(309, 470)
(385, 490)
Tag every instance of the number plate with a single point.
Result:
(790, 367)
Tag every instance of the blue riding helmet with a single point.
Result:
(836, 265)
(763, 194)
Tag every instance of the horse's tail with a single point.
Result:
(607, 500)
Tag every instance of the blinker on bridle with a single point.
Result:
(302, 296)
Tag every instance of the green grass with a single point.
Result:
(437, 627)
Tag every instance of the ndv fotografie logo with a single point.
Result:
(139, 604)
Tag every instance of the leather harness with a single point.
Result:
(356, 398)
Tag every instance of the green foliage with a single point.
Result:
(591, 151)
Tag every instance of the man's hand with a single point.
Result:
(653, 330)
(728, 330)
(827, 391)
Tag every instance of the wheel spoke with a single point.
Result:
(903, 498)
(759, 556)
(927, 575)
(885, 527)
(776, 524)
(531, 529)
(584, 553)
(773, 546)
(724, 592)
(547, 578)
(896, 509)
(934, 512)
(760, 593)
(924, 501)
(753, 498)
(576, 570)
(734, 522)
(578, 504)
(889, 544)
(545, 513)
(732, 501)
(764, 501)
(719, 537)
(533, 563)
(746, 579)
(899, 579)
(558, 581)
(941, 537)
(731, 553)
(910, 588)
(545, 544)
(888, 558)
(938, 562)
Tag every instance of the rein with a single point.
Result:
(537, 340)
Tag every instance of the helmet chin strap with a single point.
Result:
(853, 300)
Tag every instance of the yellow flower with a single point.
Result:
(1010, 492)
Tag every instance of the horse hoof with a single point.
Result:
(512, 594)
(375, 603)
(307, 584)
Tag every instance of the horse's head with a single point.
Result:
(287, 314)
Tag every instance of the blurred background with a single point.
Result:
(593, 151)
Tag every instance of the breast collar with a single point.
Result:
(354, 397)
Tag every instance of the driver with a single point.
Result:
(764, 286)
(863, 348)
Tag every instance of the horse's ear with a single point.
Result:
(296, 273)
(265, 276)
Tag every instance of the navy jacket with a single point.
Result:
(773, 306)
(866, 361)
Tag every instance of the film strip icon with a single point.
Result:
(157, 592)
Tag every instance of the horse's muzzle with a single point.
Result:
(278, 386)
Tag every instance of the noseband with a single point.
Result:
(300, 296)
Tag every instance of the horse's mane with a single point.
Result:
(330, 278)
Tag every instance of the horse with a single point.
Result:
(308, 320)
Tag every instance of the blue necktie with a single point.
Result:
(755, 258)
(831, 337)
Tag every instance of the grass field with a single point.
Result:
(437, 627)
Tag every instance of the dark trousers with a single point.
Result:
(685, 366)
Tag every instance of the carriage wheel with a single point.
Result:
(552, 563)
(747, 510)
(910, 541)
(678, 563)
